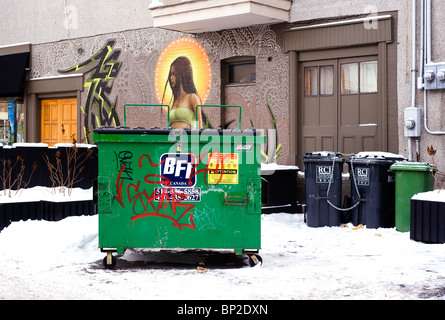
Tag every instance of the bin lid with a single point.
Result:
(412, 166)
(323, 156)
(376, 157)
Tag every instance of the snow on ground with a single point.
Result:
(60, 260)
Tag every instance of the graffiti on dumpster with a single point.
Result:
(176, 181)
(124, 159)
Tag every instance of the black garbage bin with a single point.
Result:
(373, 189)
(323, 181)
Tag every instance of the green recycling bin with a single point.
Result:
(168, 188)
(411, 178)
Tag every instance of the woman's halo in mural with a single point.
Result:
(202, 73)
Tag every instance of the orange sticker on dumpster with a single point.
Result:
(223, 168)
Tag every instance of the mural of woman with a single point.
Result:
(185, 96)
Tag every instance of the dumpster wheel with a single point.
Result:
(255, 259)
(109, 261)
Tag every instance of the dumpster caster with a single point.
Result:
(109, 261)
(255, 259)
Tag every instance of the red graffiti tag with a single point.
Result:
(169, 198)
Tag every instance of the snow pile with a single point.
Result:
(39, 193)
(435, 195)
(60, 260)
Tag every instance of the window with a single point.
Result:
(316, 79)
(327, 80)
(311, 81)
(368, 76)
(242, 72)
(351, 76)
(4, 121)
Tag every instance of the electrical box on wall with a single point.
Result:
(434, 76)
(412, 122)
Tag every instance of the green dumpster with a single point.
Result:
(410, 179)
(168, 188)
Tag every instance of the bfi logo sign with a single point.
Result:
(177, 168)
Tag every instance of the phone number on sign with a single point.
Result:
(192, 194)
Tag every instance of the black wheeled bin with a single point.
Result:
(323, 181)
(373, 188)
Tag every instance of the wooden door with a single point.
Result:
(340, 106)
(360, 126)
(318, 111)
(59, 121)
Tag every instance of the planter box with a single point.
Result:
(279, 189)
(43, 210)
(55, 211)
(16, 211)
(427, 220)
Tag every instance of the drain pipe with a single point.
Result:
(413, 71)
(426, 55)
(409, 110)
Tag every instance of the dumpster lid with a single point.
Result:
(412, 166)
(166, 131)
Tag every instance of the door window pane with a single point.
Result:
(349, 78)
(368, 76)
(310, 81)
(327, 80)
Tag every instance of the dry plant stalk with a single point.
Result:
(8, 181)
(64, 176)
(437, 174)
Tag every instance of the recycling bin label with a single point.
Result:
(362, 176)
(323, 174)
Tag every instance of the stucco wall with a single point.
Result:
(141, 45)
(135, 55)
(41, 21)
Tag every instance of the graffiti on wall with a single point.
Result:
(103, 67)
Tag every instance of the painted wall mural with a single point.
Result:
(183, 80)
(132, 67)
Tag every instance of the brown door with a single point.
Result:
(339, 106)
(359, 110)
(59, 121)
(318, 112)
